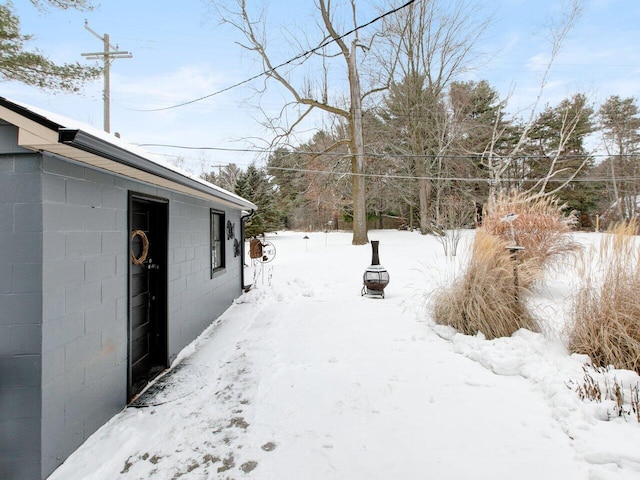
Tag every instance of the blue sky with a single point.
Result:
(180, 52)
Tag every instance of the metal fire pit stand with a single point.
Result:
(375, 277)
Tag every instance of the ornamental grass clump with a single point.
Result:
(540, 227)
(605, 317)
(490, 295)
(486, 297)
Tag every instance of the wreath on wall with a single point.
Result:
(145, 247)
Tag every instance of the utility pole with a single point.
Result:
(109, 54)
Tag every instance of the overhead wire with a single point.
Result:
(586, 179)
(446, 178)
(393, 176)
(297, 57)
(383, 155)
(284, 151)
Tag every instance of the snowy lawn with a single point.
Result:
(302, 379)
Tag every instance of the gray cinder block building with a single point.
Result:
(110, 263)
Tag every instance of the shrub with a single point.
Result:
(605, 317)
(489, 297)
(485, 298)
(540, 227)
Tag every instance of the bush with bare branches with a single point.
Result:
(456, 212)
(605, 319)
(485, 298)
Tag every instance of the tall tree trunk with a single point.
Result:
(357, 162)
(311, 100)
(424, 193)
(439, 188)
(411, 217)
(616, 194)
(424, 219)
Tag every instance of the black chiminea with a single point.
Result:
(375, 276)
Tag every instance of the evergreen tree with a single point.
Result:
(285, 168)
(255, 185)
(63, 4)
(417, 120)
(558, 135)
(32, 67)
(620, 123)
(443, 137)
(388, 197)
(476, 116)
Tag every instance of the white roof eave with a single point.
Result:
(44, 131)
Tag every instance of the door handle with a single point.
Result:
(152, 266)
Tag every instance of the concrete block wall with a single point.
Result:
(85, 279)
(85, 293)
(64, 257)
(20, 312)
(196, 299)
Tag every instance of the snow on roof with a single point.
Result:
(63, 122)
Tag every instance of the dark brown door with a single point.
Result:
(147, 291)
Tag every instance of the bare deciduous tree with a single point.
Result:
(456, 213)
(312, 94)
(226, 178)
(498, 165)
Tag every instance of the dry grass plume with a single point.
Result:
(605, 320)
(540, 227)
(485, 298)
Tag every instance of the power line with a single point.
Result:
(297, 57)
(187, 147)
(284, 151)
(589, 179)
(449, 179)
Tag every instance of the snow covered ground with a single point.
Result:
(303, 378)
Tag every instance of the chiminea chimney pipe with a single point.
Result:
(375, 260)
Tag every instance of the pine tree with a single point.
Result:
(416, 117)
(32, 67)
(476, 114)
(255, 185)
(620, 121)
(285, 168)
(558, 134)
